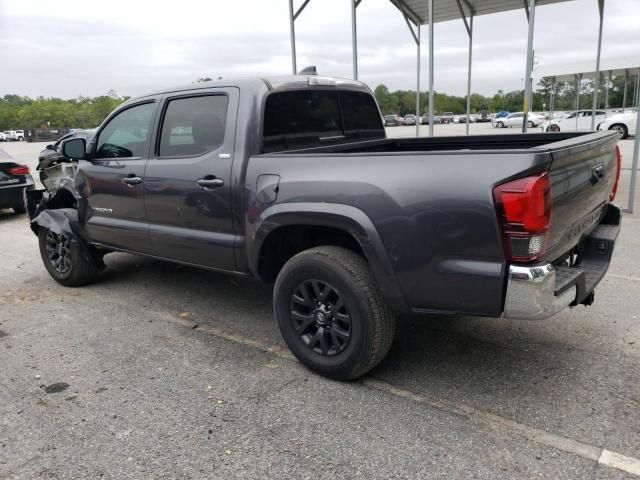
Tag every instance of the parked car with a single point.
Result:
(15, 178)
(501, 114)
(296, 183)
(410, 119)
(516, 119)
(463, 119)
(579, 120)
(448, 117)
(424, 120)
(10, 136)
(20, 135)
(623, 123)
(483, 116)
(3, 137)
(392, 121)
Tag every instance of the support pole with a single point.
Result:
(430, 2)
(469, 72)
(552, 101)
(636, 149)
(624, 94)
(354, 39)
(527, 76)
(292, 29)
(597, 76)
(578, 86)
(606, 94)
(418, 84)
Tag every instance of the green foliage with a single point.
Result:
(402, 102)
(82, 112)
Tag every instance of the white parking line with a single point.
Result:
(495, 422)
(623, 277)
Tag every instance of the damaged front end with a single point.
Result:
(58, 207)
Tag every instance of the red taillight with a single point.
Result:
(524, 212)
(612, 196)
(21, 170)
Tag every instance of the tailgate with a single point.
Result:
(582, 173)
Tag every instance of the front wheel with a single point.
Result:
(530, 124)
(65, 261)
(553, 128)
(331, 314)
(500, 125)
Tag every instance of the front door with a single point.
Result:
(112, 180)
(187, 182)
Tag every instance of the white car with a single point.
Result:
(580, 120)
(623, 123)
(516, 119)
(3, 137)
(14, 135)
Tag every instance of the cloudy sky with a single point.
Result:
(67, 48)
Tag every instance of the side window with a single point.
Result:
(193, 125)
(573, 115)
(127, 134)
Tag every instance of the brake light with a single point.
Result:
(21, 170)
(524, 213)
(612, 196)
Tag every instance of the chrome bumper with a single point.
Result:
(530, 293)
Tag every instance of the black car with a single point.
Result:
(14, 179)
(392, 121)
(483, 116)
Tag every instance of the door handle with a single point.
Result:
(132, 180)
(210, 182)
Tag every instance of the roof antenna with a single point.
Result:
(308, 71)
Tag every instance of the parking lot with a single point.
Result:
(159, 370)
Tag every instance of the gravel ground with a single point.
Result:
(159, 370)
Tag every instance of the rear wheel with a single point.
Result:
(65, 261)
(530, 124)
(499, 124)
(553, 128)
(621, 129)
(331, 314)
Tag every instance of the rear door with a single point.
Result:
(187, 181)
(112, 181)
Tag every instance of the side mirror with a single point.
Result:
(74, 148)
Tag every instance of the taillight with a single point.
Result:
(524, 213)
(21, 170)
(612, 196)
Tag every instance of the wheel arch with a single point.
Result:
(345, 226)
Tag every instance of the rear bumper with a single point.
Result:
(13, 195)
(536, 292)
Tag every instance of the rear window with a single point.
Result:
(303, 119)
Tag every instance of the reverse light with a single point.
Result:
(524, 212)
(612, 196)
(20, 170)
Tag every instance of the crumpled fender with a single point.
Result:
(63, 221)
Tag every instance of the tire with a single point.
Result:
(499, 125)
(20, 209)
(553, 128)
(331, 313)
(621, 129)
(77, 268)
(530, 124)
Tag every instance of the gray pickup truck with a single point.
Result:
(292, 180)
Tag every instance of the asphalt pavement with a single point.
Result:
(163, 371)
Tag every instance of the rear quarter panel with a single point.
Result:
(433, 211)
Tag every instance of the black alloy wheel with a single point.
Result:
(320, 317)
(58, 249)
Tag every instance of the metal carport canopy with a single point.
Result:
(444, 10)
(420, 12)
